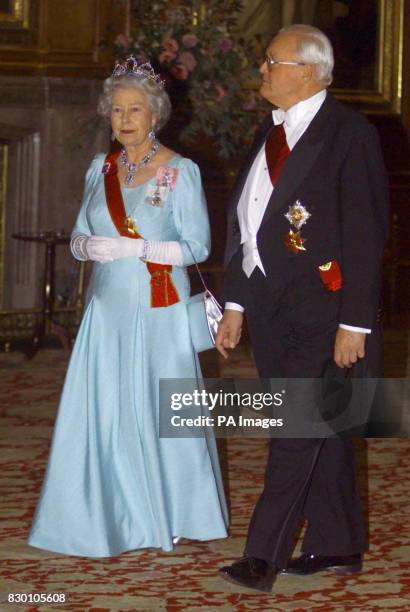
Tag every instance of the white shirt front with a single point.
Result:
(258, 187)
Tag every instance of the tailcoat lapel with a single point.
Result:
(300, 161)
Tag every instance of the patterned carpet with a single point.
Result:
(186, 579)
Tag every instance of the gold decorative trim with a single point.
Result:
(18, 16)
(400, 42)
(3, 195)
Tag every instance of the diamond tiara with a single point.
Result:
(130, 66)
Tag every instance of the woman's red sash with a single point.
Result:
(163, 291)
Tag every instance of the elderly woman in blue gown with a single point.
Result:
(112, 483)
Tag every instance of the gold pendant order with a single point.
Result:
(130, 226)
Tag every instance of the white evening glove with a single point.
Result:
(103, 249)
(163, 252)
(77, 246)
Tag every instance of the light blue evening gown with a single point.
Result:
(112, 484)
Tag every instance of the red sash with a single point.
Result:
(163, 291)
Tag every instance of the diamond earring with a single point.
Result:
(151, 135)
(112, 136)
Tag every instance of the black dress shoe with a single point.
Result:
(251, 573)
(310, 564)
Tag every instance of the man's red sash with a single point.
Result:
(163, 291)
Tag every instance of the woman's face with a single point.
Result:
(131, 116)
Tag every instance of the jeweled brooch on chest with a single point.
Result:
(297, 216)
(166, 179)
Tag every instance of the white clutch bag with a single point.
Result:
(204, 314)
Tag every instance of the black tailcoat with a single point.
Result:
(336, 172)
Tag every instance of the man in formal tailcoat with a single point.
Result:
(307, 225)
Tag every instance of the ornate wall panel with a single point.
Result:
(22, 214)
(79, 29)
(39, 117)
(4, 150)
(59, 37)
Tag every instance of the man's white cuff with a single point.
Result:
(234, 306)
(363, 330)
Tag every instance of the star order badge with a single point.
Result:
(297, 216)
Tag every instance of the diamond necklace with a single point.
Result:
(131, 167)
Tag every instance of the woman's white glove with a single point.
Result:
(103, 249)
(163, 252)
(77, 246)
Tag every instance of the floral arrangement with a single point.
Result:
(194, 47)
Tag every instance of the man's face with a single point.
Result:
(282, 84)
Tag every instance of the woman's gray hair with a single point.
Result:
(313, 47)
(158, 98)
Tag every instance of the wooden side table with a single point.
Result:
(47, 327)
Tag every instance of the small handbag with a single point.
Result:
(204, 314)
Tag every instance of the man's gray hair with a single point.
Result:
(313, 47)
(157, 97)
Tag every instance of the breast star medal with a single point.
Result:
(297, 216)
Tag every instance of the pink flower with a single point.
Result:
(180, 72)
(123, 41)
(250, 103)
(221, 92)
(166, 57)
(189, 40)
(225, 45)
(187, 59)
(170, 44)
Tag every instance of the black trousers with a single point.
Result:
(293, 336)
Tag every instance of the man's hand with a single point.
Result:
(349, 347)
(229, 331)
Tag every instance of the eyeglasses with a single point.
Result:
(271, 62)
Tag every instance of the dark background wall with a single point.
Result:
(53, 57)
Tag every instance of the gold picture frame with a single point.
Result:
(15, 15)
(367, 38)
(386, 96)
